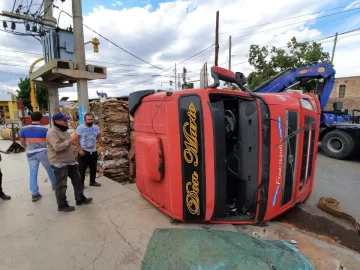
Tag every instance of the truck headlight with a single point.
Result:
(306, 104)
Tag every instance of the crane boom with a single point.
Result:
(289, 77)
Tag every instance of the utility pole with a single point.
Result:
(50, 21)
(229, 52)
(175, 76)
(179, 80)
(184, 78)
(82, 86)
(333, 52)
(48, 15)
(217, 39)
(229, 84)
(53, 92)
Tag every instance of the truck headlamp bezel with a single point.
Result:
(307, 104)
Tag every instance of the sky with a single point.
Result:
(165, 33)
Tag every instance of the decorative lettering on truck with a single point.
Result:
(191, 157)
(280, 159)
(191, 137)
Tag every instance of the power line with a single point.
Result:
(317, 40)
(286, 19)
(202, 51)
(21, 52)
(251, 34)
(116, 45)
(197, 54)
(11, 73)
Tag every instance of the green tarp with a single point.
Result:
(183, 249)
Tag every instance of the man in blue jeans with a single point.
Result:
(33, 137)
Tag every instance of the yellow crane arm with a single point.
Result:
(33, 98)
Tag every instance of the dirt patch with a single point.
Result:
(321, 226)
(321, 257)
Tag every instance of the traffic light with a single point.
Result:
(95, 43)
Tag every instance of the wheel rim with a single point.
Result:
(335, 145)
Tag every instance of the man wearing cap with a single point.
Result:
(62, 159)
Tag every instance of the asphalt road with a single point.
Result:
(339, 179)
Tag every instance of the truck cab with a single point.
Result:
(223, 156)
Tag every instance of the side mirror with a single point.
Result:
(241, 78)
(225, 75)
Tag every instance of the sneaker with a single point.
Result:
(4, 197)
(84, 200)
(66, 208)
(36, 197)
(95, 184)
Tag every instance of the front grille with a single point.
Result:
(291, 153)
(308, 150)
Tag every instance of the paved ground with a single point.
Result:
(338, 179)
(113, 232)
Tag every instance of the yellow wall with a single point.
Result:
(8, 110)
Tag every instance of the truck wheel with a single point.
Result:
(338, 144)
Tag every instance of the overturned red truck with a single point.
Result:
(223, 156)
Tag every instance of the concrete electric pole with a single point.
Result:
(217, 39)
(333, 52)
(82, 86)
(175, 77)
(53, 92)
(184, 78)
(48, 13)
(229, 52)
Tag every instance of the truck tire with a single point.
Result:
(338, 144)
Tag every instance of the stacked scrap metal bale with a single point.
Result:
(112, 116)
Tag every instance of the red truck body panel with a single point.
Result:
(176, 151)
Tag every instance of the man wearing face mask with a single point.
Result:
(62, 159)
(88, 134)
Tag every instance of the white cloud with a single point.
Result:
(353, 5)
(174, 31)
(117, 3)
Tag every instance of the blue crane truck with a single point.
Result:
(339, 134)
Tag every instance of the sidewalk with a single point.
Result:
(110, 233)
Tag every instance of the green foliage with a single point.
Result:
(268, 62)
(23, 93)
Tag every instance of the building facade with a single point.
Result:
(8, 107)
(346, 87)
(347, 91)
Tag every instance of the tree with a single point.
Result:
(268, 62)
(23, 93)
